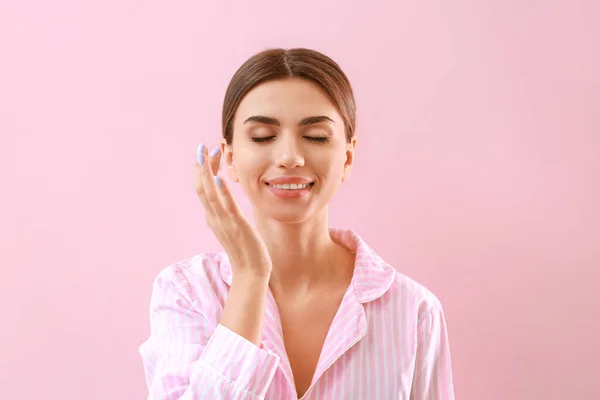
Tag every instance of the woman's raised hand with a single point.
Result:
(247, 251)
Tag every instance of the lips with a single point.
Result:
(289, 183)
(290, 193)
(289, 180)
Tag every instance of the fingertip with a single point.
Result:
(218, 181)
(200, 154)
(215, 151)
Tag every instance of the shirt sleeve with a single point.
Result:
(186, 358)
(432, 379)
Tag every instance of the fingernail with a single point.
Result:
(218, 181)
(200, 154)
(215, 151)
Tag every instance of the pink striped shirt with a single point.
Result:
(388, 339)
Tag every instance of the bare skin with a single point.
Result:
(289, 251)
(306, 318)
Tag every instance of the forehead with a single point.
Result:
(289, 99)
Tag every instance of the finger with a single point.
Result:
(210, 188)
(199, 181)
(227, 200)
(215, 159)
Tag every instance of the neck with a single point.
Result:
(303, 254)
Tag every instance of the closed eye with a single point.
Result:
(317, 139)
(262, 139)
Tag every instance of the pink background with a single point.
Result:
(479, 145)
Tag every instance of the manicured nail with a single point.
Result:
(215, 151)
(200, 154)
(218, 181)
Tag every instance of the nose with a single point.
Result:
(288, 154)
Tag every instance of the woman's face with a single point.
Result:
(288, 131)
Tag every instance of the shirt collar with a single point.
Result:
(372, 276)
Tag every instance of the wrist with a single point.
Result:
(250, 280)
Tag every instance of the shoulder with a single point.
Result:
(403, 315)
(405, 299)
(381, 285)
(418, 299)
(197, 280)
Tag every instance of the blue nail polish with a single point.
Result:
(200, 154)
(218, 181)
(215, 151)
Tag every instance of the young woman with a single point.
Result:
(291, 309)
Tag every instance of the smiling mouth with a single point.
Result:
(290, 186)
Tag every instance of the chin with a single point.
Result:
(288, 217)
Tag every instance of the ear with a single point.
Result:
(350, 149)
(228, 161)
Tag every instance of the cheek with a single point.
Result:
(250, 168)
(333, 168)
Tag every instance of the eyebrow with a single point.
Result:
(261, 119)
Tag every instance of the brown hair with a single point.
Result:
(276, 64)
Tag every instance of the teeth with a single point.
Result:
(291, 186)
